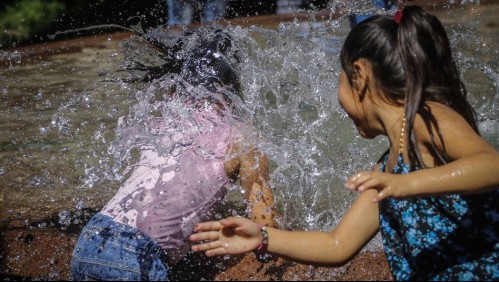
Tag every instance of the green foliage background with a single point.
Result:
(32, 21)
(23, 19)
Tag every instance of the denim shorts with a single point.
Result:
(107, 250)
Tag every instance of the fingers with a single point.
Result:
(208, 226)
(353, 182)
(205, 236)
(212, 248)
(388, 185)
(209, 251)
(207, 246)
(218, 225)
(208, 231)
(369, 183)
(362, 181)
(383, 194)
(378, 198)
(233, 221)
(216, 252)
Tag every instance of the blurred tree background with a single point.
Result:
(32, 21)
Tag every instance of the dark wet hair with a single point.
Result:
(213, 63)
(412, 62)
(204, 56)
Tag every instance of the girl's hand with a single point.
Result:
(233, 235)
(387, 184)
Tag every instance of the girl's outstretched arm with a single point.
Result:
(239, 235)
(232, 235)
(474, 167)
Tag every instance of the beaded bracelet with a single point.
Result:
(265, 238)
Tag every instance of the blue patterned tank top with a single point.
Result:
(444, 237)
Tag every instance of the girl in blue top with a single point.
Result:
(433, 195)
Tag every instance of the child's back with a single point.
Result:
(166, 195)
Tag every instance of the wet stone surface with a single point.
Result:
(34, 255)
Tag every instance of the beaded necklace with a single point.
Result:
(402, 136)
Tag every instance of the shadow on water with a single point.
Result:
(59, 116)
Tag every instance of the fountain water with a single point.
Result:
(59, 121)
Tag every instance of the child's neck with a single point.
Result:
(395, 129)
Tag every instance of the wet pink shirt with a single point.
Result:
(166, 196)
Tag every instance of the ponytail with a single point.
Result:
(431, 75)
(412, 61)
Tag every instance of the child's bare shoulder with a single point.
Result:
(445, 116)
(446, 125)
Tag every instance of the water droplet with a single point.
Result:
(43, 130)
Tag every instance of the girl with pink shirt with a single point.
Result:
(145, 227)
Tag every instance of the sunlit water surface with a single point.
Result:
(59, 119)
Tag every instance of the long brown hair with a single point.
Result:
(412, 61)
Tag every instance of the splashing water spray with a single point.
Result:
(64, 152)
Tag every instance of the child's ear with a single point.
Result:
(359, 77)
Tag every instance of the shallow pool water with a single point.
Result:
(59, 115)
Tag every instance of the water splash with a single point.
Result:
(63, 144)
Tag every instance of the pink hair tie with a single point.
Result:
(398, 16)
